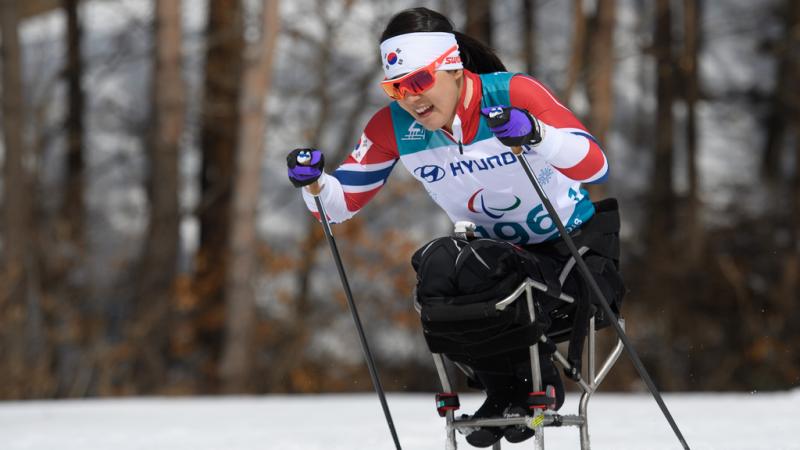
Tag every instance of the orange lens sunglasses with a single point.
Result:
(415, 82)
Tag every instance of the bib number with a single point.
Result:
(538, 222)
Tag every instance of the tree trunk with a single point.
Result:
(662, 197)
(158, 264)
(579, 39)
(599, 82)
(791, 276)
(70, 247)
(72, 207)
(776, 123)
(659, 277)
(479, 20)
(30, 8)
(220, 124)
(16, 277)
(529, 35)
(236, 366)
(691, 92)
(641, 128)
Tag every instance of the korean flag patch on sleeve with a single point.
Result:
(361, 148)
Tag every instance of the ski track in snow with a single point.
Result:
(709, 421)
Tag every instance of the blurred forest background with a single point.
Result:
(151, 243)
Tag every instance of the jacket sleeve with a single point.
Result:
(362, 174)
(566, 144)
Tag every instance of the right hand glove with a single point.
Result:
(305, 166)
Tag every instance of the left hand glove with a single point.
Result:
(513, 126)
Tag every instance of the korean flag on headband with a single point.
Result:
(361, 148)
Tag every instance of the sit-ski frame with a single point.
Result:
(539, 419)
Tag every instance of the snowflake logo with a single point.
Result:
(545, 175)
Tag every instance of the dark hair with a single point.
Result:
(475, 55)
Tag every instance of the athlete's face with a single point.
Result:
(436, 107)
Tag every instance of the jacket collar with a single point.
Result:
(467, 119)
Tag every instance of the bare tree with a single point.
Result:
(220, 125)
(579, 40)
(661, 194)
(791, 282)
(691, 93)
(479, 20)
(660, 206)
(72, 207)
(529, 35)
(240, 319)
(600, 88)
(18, 294)
(69, 258)
(155, 279)
(34, 7)
(791, 262)
(777, 120)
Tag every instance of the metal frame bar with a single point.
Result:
(540, 419)
(536, 376)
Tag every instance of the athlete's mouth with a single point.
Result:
(423, 111)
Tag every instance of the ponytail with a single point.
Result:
(476, 56)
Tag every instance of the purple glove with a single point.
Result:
(305, 166)
(512, 126)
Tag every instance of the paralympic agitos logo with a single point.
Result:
(430, 173)
(477, 199)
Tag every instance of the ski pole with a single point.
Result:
(376, 382)
(587, 275)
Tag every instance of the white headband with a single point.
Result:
(408, 52)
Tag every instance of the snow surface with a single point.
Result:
(709, 421)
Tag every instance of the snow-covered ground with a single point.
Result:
(618, 422)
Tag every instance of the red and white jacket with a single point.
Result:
(468, 172)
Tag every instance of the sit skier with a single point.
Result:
(442, 84)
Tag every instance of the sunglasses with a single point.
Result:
(416, 82)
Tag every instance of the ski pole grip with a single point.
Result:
(497, 116)
(313, 188)
(517, 150)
